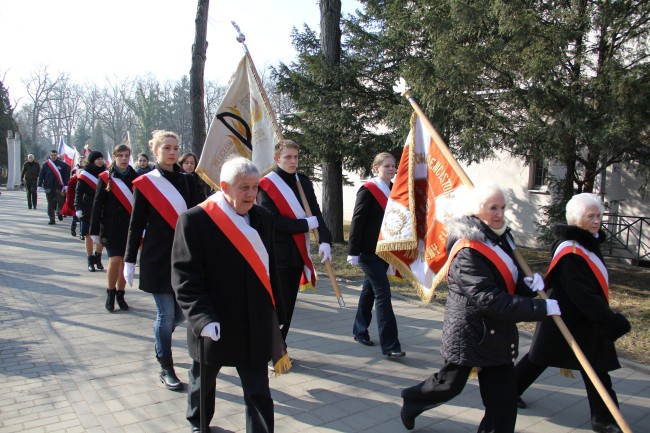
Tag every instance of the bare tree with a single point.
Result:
(214, 93)
(116, 116)
(199, 50)
(41, 89)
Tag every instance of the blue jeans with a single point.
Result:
(168, 316)
(376, 290)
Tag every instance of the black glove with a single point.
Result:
(620, 327)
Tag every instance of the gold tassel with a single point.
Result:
(474, 373)
(565, 372)
(283, 365)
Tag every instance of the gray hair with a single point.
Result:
(477, 197)
(575, 208)
(30, 155)
(235, 166)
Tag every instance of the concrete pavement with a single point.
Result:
(67, 365)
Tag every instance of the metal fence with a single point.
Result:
(628, 237)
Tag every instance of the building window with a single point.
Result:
(538, 176)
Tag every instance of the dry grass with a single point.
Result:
(629, 294)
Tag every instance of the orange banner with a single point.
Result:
(413, 236)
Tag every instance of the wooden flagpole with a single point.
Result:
(328, 266)
(401, 87)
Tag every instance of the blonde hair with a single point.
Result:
(380, 158)
(158, 136)
(577, 205)
(285, 144)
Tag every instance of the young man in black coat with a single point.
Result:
(224, 275)
(53, 178)
(293, 259)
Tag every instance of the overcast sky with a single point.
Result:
(93, 40)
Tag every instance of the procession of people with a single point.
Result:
(232, 264)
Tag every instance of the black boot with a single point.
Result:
(120, 300)
(98, 261)
(73, 230)
(168, 375)
(91, 263)
(110, 299)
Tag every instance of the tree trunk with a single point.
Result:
(330, 41)
(199, 50)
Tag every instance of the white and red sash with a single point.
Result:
(595, 263)
(499, 258)
(379, 190)
(89, 179)
(287, 203)
(120, 190)
(162, 195)
(242, 236)
(56, 171)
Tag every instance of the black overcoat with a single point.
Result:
(109, 219)
(84, 195)
(366, 223)
(214, 283)
(584, 307)
(287, 251)
(155, 257)
(480, 315)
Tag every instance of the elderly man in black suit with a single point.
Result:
(225, 275)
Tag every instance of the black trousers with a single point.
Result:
(55, 201)
(527, 373)
(497, 387)
(31, 187)
(290, 284)
(257, 396)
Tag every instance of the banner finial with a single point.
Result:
(240, 36)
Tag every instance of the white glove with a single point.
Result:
(79, 213)
(212, 330)
(65, 189)
(552, 308)
(535, 283)
(129, 272)
(353, 260)
(325, 251)
(312, 222)
(95, 239)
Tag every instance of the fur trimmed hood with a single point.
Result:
(471, 228)
(564, 232)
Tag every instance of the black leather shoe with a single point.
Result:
(365, 342)
(170, 380)
(59, 216)
(51, 223)
(407, 419)
(399, 354)
(604, 427)
(196, 429)
(520, 403)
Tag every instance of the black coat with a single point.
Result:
(30, 171)
(214, 283)
(480, 315)
(84, 196)
(109, 219)
(287, 251)
(155, 258)
(366, 223)
(585, 310)
(47, 179)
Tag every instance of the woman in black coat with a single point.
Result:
(109, 221)
(158, 198)
(577, 279)
(364, 232)
(487, 296)
(83, 203)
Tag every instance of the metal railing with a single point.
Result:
(628, 237)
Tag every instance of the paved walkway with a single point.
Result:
(66, 365)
